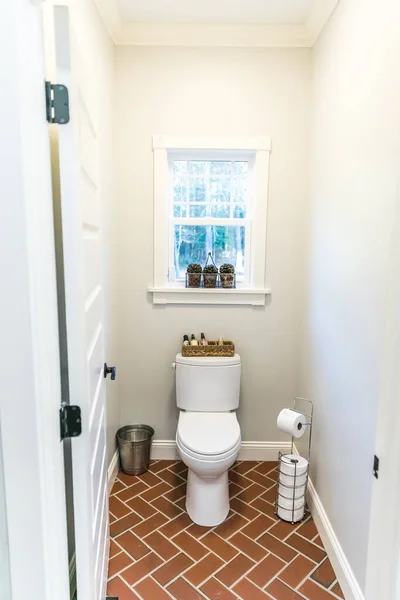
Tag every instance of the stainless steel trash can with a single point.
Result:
(134, 444)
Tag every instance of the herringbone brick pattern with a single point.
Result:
(157, 553)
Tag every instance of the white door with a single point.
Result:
(82, 246)
(32, 454)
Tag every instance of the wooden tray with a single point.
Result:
(212, 349)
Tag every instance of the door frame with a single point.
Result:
(383, 575)
(29, 352)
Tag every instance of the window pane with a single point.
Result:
(197, 167)
(219, 211)
(180, 210)
(220, 189)
(219, 167)
(239, 211)
(194, 242)
(197, 190)
(179, 190)
(180, 166)
(241, 190)
(241, 167)
(196, 211)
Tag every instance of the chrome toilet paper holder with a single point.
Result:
(283, 459)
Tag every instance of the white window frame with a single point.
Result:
(253, 291)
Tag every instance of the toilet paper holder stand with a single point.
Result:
(295, 486)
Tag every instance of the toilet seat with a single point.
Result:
(207, 458)
(208, 436)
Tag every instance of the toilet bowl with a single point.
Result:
(208, 432)
(209, 444)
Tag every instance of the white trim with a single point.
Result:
(318, 18)
(341, 565)
(165, 295)
(166, 450)
(216, 34)
(161, 177)
(236, 144)
(111, 17)
(213, 35)
(262, 450)
(334, 550)
(113, 470)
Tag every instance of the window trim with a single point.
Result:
(165, 292)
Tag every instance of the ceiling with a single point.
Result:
(213, 23)
(216, 11)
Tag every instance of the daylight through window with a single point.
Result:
(210, 211)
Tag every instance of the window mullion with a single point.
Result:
(233, 189)
(187, 189)
(208, 208)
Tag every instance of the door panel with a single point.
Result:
(82, 244)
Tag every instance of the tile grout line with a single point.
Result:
(244, 479)
(324, 588)
(276, 578)
(290, 547)
(308, 576)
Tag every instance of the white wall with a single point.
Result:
(219, 92)
(356, 126)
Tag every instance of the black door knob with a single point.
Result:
(110, 371)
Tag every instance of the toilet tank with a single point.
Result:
(208, 384)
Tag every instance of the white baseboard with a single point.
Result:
(166, 450)
(343, 570)
(113, 470)
(334, 550)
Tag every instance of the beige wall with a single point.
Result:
(355, 187)
(218, 92)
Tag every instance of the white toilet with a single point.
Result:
(208, 434)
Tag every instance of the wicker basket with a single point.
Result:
(211, 349)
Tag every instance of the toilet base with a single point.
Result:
(207, 499)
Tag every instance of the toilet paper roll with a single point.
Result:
(289, 480)
(291, 422)
(292, 492)
(292, 463)
(285, 509)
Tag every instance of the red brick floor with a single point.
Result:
(157, 553)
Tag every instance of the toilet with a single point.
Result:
(208, 433)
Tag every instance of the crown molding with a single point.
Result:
(111, 18)
(216, 34)
(318, 18)
(212, 35)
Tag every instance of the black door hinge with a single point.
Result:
(70, 421)
(57, 103)
(376, 467)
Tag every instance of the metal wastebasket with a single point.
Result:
(134, 444)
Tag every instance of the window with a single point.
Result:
(210, 211)
(210, 195)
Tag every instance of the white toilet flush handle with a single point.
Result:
(174, 366)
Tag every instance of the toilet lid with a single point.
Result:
(208, 433)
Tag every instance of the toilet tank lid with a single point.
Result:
(208, 361)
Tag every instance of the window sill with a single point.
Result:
(165, 295)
